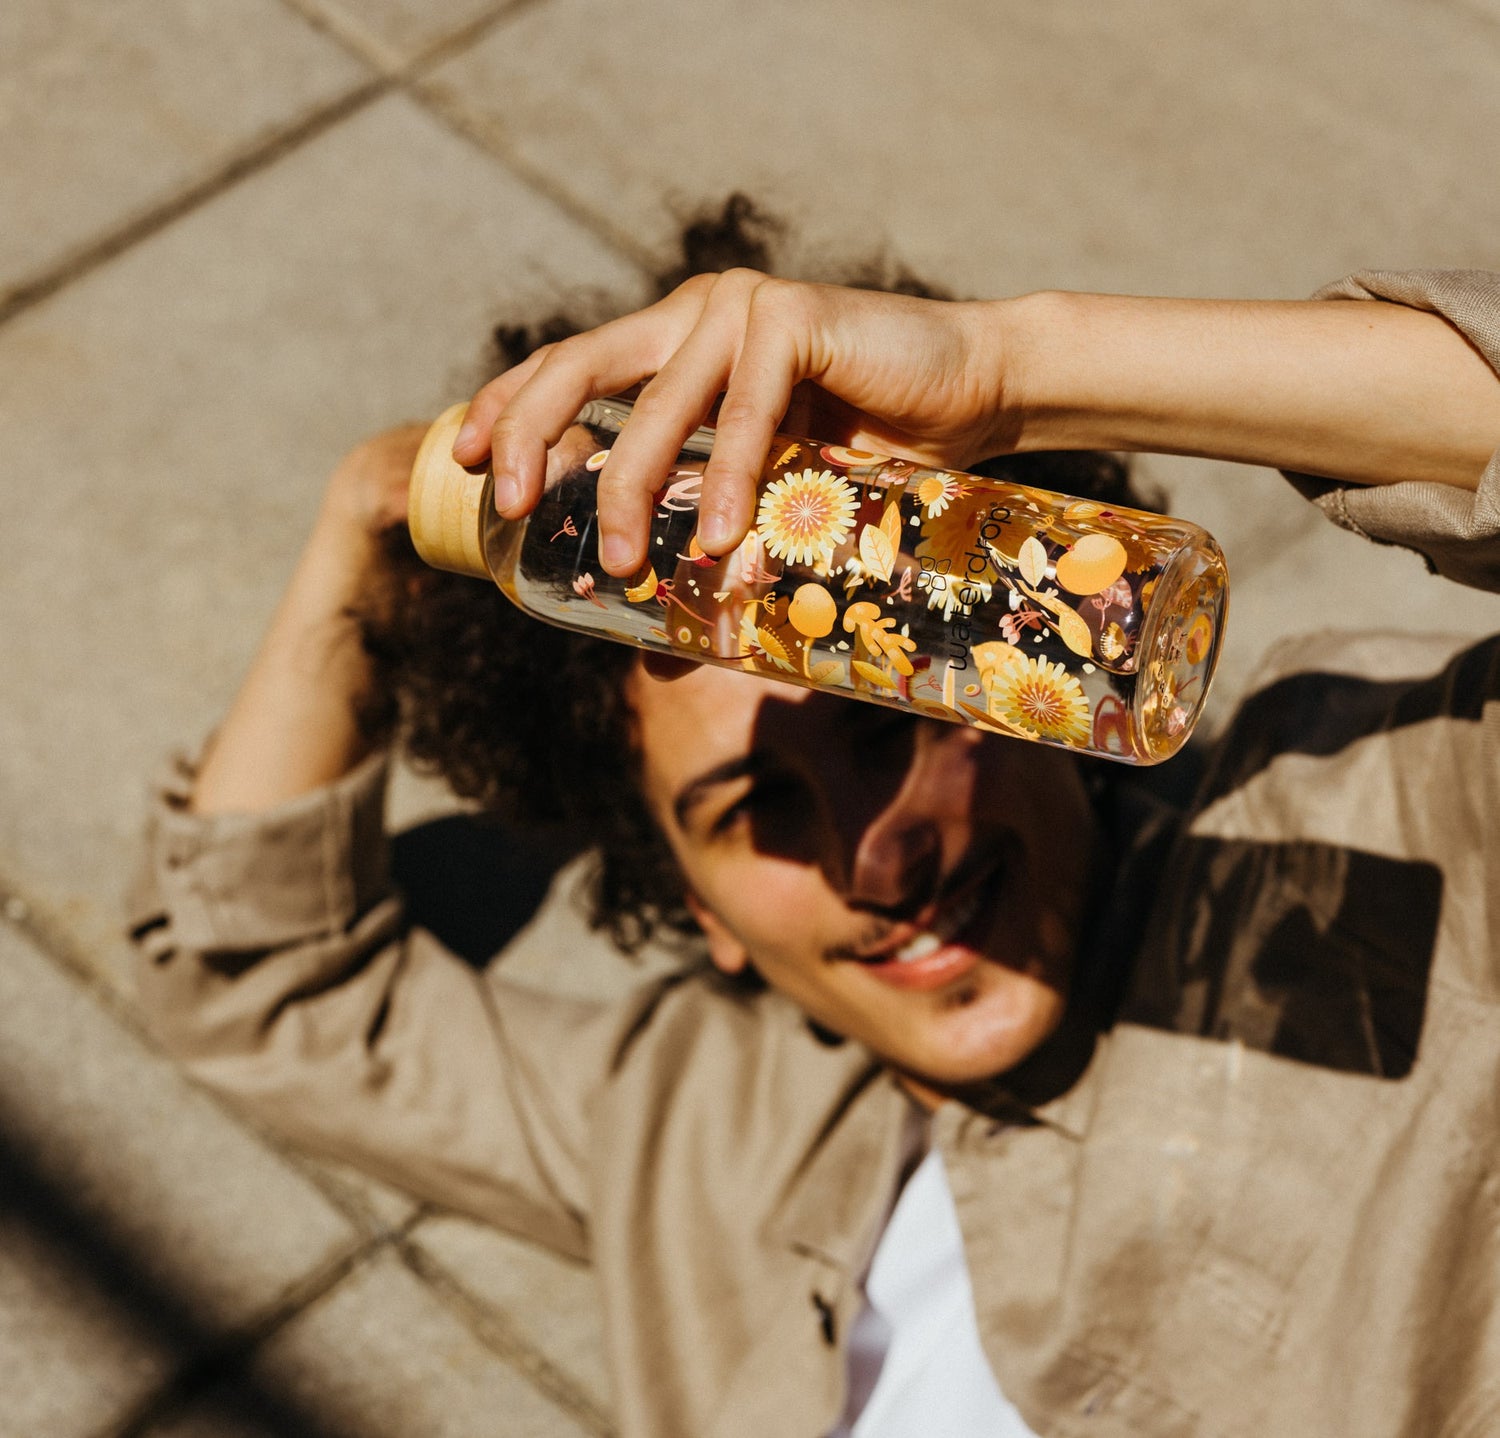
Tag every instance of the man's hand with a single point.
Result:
(922, 379)
(1359, 392)
(366, 493)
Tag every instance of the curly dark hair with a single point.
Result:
(451, 655)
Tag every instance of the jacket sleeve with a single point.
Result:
(274, 961)
(1458, 533)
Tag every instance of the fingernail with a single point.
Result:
(507, 492)
(713, 531)
(465, 436)
(615, 553)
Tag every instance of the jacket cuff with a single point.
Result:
(1456, 532)
(248, 882)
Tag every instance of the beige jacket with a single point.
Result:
(1270, 1204)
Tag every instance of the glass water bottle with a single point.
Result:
(1062, 621)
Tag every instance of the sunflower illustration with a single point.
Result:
(936, 492)
(804, 517)
(1042, 698)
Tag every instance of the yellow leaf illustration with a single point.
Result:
(982, 720)
(872, 674)
(774, 649)
(1075, 633)
(828, 672)
(788, 455)
(646, 589)
(877, 553)
(1069, 623)
(890, 525)
(1033, 561)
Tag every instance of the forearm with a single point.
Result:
(294, 725)
(1363, 392)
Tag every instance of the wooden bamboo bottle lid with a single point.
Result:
(446, 503)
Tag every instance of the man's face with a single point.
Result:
(915, 885)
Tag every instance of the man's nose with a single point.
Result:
(897, 858)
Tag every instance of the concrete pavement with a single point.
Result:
(237, 235)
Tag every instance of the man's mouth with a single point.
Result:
(929, 941)
(942, 948)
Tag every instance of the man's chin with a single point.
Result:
(984, 1030)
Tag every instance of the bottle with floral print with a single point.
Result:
(1058, 620)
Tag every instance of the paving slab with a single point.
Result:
(553, 1304)
(379, 1357)
(110, 110)
(167, 426)
(1191, 148)
(138, 1222)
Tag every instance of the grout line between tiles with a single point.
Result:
(344, 30)
(412, 75)
(487, 136)
(50, 937)
(394, 74)
(199, 1377)
(81, 262)
(497, 1334)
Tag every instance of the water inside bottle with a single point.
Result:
(1067, 622)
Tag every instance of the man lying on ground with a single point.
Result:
(1175, 1123)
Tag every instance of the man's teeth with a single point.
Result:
(918, 948)
(934, 938)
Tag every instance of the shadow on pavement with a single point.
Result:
(210, 1380)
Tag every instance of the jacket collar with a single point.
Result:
(838, 1200)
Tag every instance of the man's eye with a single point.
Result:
(771, 795)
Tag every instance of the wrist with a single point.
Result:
(1034, 345)
(1064, 382)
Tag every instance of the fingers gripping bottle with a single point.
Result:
(1062, 621)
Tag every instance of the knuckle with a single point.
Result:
(734, 290)
(777, 300)
(489, 398)
(738, 411)
(663, 398)
(742, 277)
(697, 286)
(557, 358)
(619, 488)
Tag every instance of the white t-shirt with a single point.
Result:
(916, 1366)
